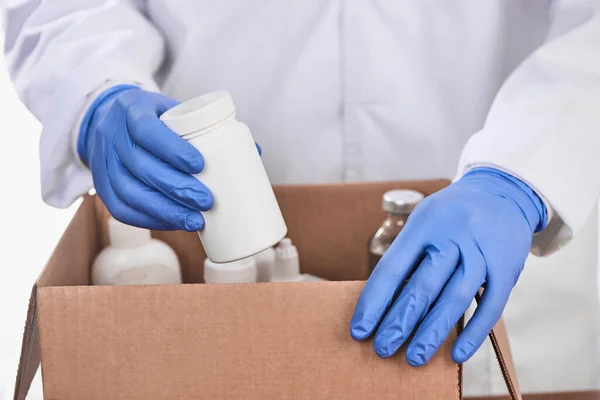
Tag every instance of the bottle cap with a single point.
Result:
(126, 236)
(199, 113)
(287, 265)
(401, 201)
(240, 271)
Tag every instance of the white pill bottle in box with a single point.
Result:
(245, 218)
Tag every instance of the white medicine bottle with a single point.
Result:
(240, 271)
(245, 218)
(134, 258)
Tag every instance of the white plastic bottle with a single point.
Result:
(287, 265)
(134, 258)
(240, 271)
(265, 262)
(246, 218)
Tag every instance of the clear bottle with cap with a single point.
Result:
(245, 218)
(398, 205)
(134, 258)
(240, 271)
(287, 265)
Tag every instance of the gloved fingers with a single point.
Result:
(150, 202)
(416, 297)
(162, 103)
(488, 312)
(130, 216)
(448, 309)
(122, 211)
(173, 183)
(149, 132)
(385, 281)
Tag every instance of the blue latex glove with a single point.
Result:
(141, 169)
(476, 231)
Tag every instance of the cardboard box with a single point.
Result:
(246, 341)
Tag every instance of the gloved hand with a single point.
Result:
(476, 231)
(141, 169)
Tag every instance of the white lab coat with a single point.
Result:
(352, 90)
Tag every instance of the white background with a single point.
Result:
(29, 229)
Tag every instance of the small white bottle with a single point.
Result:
(134, 258)
(287, 265)
(246, 218)
(265, 262)
(240, 271)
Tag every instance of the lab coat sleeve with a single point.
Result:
(59, 54)
(544, 125)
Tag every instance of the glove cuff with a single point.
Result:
(526, 198)
(89, 116)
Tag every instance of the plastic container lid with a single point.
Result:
(401, 201)
(241, 271)
(126, 236)
(199, 113)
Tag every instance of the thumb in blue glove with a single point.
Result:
(477, 231)
(141, 169)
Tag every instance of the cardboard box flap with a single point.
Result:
(245, 341)
(30, 350)
(67, 266)
(30, 355)
(499, 339)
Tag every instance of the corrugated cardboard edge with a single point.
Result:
(499, 339)
(500, 343)
(30, 357)
(30, 350)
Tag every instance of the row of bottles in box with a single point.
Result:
(135, 258)
(279, 264)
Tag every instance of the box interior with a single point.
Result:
(329, 224)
